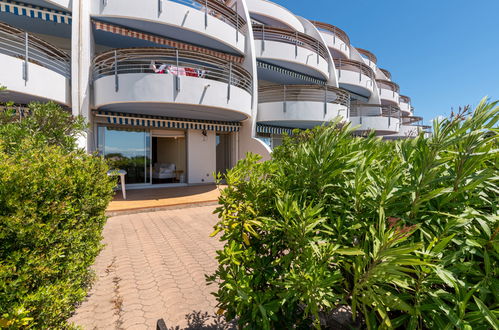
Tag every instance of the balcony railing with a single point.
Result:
(295, 38)
(176, 62)
(405, 99)
(364, 110)
(337, 32)
(355, 66)
(303, 93)
(23, 45)
(367, 54)
(386, 73)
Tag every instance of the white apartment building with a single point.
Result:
(176, 90)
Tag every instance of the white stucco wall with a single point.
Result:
(201, 156)
(336, 43)
(41, 83)
(275, 12)
(389, 95)
(299, 111)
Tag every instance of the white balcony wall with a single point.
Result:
(301, 114)
(275, 13)
(333, 42)
(382, 125)
(370, 63)
(405, 107)
(389, 95)
(65, 4)
(173, 14)
(161, 88)
(284, 52)
(42, 82)
(356, 79)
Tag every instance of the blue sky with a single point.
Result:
(442, 53)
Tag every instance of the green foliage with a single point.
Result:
(401, 234)
(47, 123)
(52, 211)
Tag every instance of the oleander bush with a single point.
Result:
(52, 210)
(342, 232)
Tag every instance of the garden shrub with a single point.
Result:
(338, 231)
(52, 210)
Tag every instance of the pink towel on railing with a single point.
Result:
(177, 71)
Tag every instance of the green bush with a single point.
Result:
(52, 211)
(338, 231)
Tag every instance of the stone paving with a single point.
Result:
(153, 266)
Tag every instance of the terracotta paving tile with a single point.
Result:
(153, 266)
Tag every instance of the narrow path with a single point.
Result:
(153, 267)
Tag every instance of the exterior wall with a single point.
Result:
(389, 95)
(201, 156)
(11, 76)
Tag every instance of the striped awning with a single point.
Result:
(290, 73)
(267, 129)
(21, 9)
(111, 28)
(127, 119)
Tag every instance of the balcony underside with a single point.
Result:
(359, 89)
(51, 4)
(156, 94)
(38, 26)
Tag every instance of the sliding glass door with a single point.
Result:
(129, 150)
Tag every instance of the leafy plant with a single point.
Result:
(339, 231)
(52, 210)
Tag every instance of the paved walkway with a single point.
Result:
(154, 266)
(158, 198)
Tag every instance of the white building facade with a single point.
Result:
(176, 90)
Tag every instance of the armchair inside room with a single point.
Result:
(163, 171)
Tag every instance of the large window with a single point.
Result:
(128, 150)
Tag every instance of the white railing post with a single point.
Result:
(237, 23)
(296, 43)
(334, 35)
(339, 69)
(263, 38)
(285, 103)
(360, 72)
(325, 101)
(230, 81)
(177, 77)
(205, 14)
(116, 78)
(26, 56)
(160, 7)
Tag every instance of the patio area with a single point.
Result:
(158, 199)
(153, 267)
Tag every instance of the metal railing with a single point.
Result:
(298, 39)
(364, 109)
(176, 62)
(337, 32)
(303, 93)
(387, 84)
(386, 73)
(368, 55)
(23, 45)
(404, 99)
(355, 66)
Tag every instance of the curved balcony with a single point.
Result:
(336, 39)
(292, 50)
(387, 74)
(272, 14)
(368, 57)
(388, 91)
(32, 69)
(301, 106)
(355, 76)
(382, 119)
(405, 104)
(172, 83)
(51, 4)
(208, 23)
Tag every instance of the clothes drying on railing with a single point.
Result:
(178, 71)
